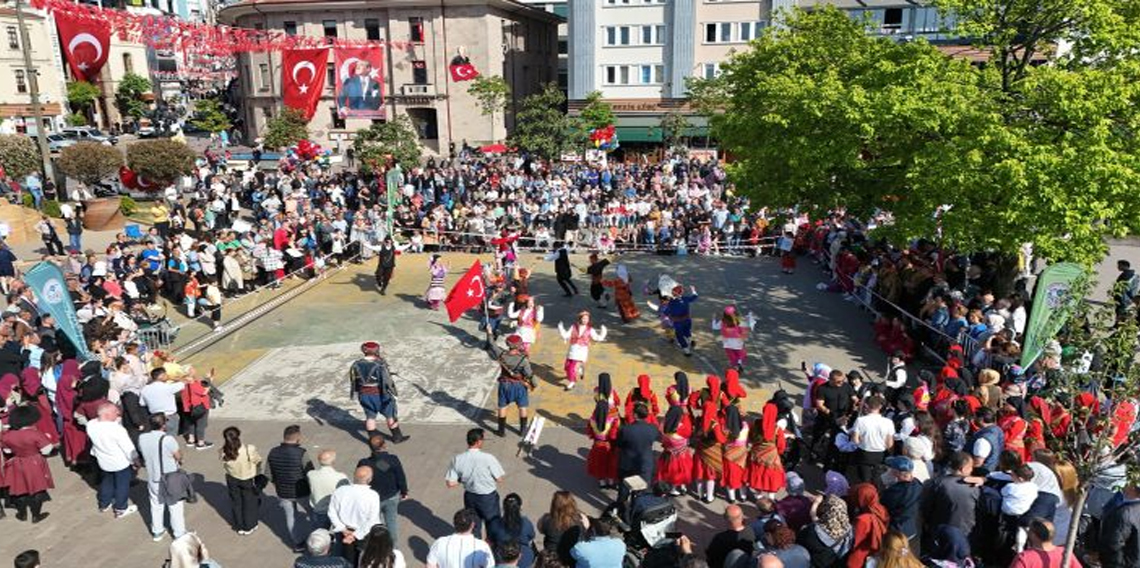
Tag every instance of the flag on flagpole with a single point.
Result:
(466, 294)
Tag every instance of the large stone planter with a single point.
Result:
(103, 214)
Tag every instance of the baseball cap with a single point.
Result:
(900, 463)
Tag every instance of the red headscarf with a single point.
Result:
(732, 384)
(7, 384)
(709, 412)
(1040, 408)
(643, 386)
(30, 381)
(713, 383)
(871, 517)
(768, 428)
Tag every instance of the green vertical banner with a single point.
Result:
(1051, 306)
(50, 288)
(393, 184)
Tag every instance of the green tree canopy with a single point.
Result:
(492, 92)
(19, 155)
(541, 126)
(162, 161)
(128, 96)
(820, 115)
(209, 116)
(81, 94)
(286, 129)
(395, 139)
(673, 127)
(597, 113)
(90, 162)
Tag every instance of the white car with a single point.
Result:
(57, 142)
(88, 134)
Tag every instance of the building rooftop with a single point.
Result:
(235, 9)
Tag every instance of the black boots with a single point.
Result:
(398, 436)
(522, 426)
(502, 431)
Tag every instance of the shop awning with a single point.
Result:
(651, 134)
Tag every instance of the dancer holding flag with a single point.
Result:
(469, 292)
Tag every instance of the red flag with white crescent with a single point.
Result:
(303, 78)
(463, 71)
(85, 44)
(467, 293)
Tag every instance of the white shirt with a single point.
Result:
(874, 431)
(355, 506)
(1046, 480)
(159, 397)
(1016, 498)
(460, 551)
(111, 445)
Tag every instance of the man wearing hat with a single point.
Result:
(372, 383)
(516, 379)
(902, 495)
(385, 264)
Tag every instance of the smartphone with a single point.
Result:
(674, 535)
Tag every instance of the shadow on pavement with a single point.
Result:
(326, 414)
(427, 521)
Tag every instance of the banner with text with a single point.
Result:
(1052, 304)
(50, 287)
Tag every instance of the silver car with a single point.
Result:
(89, 134)
(57, 142)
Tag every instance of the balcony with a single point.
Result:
(417, 90)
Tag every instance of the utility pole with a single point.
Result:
(34, 91)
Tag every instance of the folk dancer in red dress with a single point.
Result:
(644, 394)
(675, 466)
(605, 391)
(766, 474)
(733, 333)
(735, 453)
(707, 442)
(1014, 428)
(579, 337)
(733, 392)
(526, 316)
(26, 472)
(601, 462)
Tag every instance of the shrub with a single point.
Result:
(51, 206)
(19, 155)
(127, 205)
(161, 161)
(90, 162)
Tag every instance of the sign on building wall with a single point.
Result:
(359, 82)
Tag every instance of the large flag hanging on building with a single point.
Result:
(462, 69)
(359, 81)
(303, 78)
(48, 284)
(86, 43)
(1052, 306)
(467, 293)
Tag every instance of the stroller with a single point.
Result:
(647, 520)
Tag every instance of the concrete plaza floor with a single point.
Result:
(290, 366)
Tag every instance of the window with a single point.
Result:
(13, 38)
(623, 75)
(290, 28)
(337, 120)
(652, 35)
(263, 77)
(646, 74)
(747, 29)
(892, 18)
(652, 74)
(372, 29)
(419, 72)
(711, 70)
(611, 35)
(618, 35)
(725, 32)
(659, 74)
(330, 28)
(623, 35)
(21, 81)
(617, 74)
(710, 33)
(128, 63)
(563, 47)
(330, 77)
(611, 74)
(416, 32)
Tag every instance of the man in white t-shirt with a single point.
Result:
(116, 456)
(462, 549)
(874, 434)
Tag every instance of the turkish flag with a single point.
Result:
(463, 72)
(466, 294)
(303, 78)
(85, 43)
(132, 180)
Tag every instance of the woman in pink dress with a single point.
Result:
(579, 336)
(26, 471)
(675, 466)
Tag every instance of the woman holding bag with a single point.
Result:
(242, 465)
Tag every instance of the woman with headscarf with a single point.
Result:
(709, 463)
(735, 462)
(733, 333)
(35, 395)
(828, 537)
(579, 336)
(527, 317)
(602, 429)
(675, 466)
(1036, 428)
(1014, 428)
(26, 472)
(623, 294)
(870, 521)
(436, 292)
(711, 394)
(67, 399)
(766, 474)
(644, 394)
(733, 392)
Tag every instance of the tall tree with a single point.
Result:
(822, 115)
(395, 139)
(541, 125)
(673, 126)
(209, 116)
(492, 93)
(129, 95)
(286, 129)
(81, 95)
(596, 113)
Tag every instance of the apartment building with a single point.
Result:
(17, 115)
(561, 9)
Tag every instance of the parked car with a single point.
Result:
(57, 142)
(89, 134)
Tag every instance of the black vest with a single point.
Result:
(287, 466)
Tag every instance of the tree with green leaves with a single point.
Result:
(820, 114)
(209, 116)
(492, 92)
(129, 95)
(394, 139)
(541, 125)
(161, 161)
(81, 95)
(674, 126)
(75, 119)
(596, 113)
(90, 162)
(19, 155)
(286, 129)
